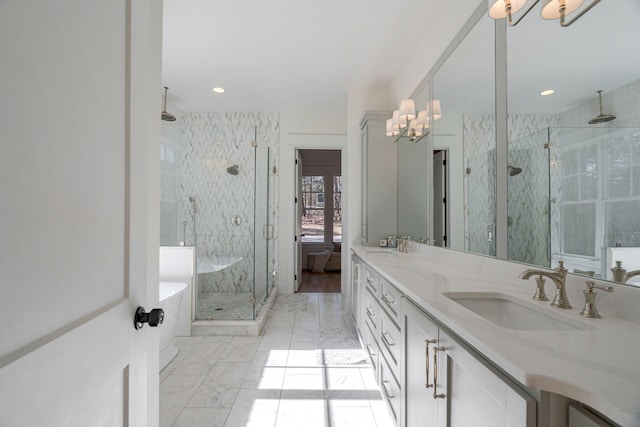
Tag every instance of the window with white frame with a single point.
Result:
(601, 195)
(322, 208)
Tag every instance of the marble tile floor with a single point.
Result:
(305, 370)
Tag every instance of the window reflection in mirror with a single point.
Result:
(576, 194)
(466, 137)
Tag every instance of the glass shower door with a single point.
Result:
(263, 234)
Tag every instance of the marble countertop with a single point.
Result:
(598, 365)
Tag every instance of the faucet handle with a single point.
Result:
(540, 295)
(590, 309)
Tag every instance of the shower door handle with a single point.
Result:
(154, 318)
(267, 232)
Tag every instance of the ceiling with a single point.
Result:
(597, 52)
(285, 55)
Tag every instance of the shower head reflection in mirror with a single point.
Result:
(513, 171)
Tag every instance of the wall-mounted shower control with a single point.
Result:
(236, 220)
(154, 318)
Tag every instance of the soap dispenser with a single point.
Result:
(618, 272)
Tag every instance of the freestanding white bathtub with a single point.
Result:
(171, 294)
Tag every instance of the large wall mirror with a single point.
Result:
(574, 169)
(459, 158)
(413, 173)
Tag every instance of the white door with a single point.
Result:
(79, 132)
(298, 235)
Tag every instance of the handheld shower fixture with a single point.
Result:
(194, 205)
(167, 117)
(601, 118)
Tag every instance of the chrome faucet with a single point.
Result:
(557, 276)
(621, 275)
(631, 274)
(403, 245)
(590, 309)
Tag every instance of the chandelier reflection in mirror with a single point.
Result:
(406, 124)
(551, 9)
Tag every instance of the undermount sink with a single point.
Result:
(508, 312)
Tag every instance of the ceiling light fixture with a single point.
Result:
(547, 92)
(406, 124)
(551, 9)
(218, 90)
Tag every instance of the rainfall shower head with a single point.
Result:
(601, 118)
(513, 171)
(167, 117)
(232, 170)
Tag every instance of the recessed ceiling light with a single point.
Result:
(547, 92)
(218, 90)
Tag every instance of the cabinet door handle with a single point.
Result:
(371, 353)
(385, 298)
(371, 313)
(426, 364)
(387, 339)
(388, 395)
(435, 373)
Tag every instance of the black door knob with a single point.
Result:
(154, 318)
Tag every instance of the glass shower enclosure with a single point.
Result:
(227, 199)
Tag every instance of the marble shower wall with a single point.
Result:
(213, 143)
(479, 135)
(528, 205)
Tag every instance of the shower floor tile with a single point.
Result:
(225, 306)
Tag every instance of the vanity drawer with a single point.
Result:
(390, 390)
(371, 280)
(390, 298)
(389, 341)
(371, 312)
(371, 348)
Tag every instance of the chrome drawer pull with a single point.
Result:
(371, 353)
(385, 391)
(385, 298)
(371, 313)
(435, 373)
(387, 339)
(426, 359)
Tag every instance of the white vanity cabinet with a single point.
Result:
(420, 336)
(377, 321)
(448, 385)
(357, 277)
(379, 179)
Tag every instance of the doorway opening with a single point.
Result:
(440, 195)
(318, 237)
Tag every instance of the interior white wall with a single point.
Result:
(429, 45)
(308, 130)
